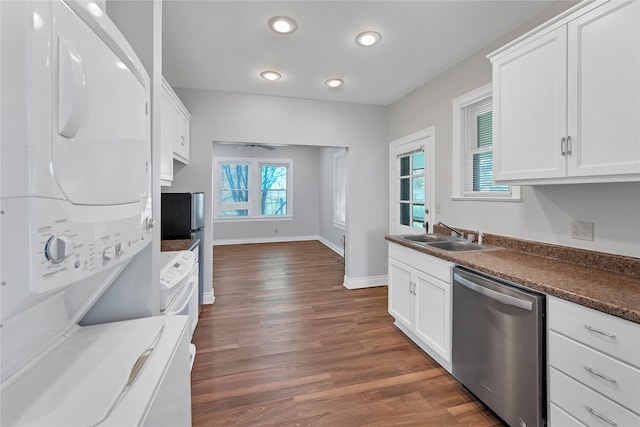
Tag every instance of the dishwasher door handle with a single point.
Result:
(500, 297)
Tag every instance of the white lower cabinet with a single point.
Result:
(594, 367)
(420, 300)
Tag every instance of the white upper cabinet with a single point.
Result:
(174, 133)
(604, 91)
(181, 143)
(567, 99)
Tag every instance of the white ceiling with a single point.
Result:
(224, 45)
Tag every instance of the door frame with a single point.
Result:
(422, 139)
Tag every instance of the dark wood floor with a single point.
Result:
(286, 344)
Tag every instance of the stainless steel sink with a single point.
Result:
(425, 238)
(460, 246)
(445, 243)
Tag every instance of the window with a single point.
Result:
(234, 189)
(412, 189)
(244, 184)
(273, 187)
(473, 149)
(339, 188)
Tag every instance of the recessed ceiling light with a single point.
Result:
(270, 75)
(368, 38)
(282, 25)
(334, 82)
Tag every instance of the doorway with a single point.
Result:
(412, 183)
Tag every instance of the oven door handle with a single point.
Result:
(500, 297)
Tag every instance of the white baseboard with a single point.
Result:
(208, 297)
(337, 249)
(364, 282)
(244, 241)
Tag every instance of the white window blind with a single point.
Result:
(477, 134)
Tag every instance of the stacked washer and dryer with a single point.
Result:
(75, 219)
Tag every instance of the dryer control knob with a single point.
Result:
(149, 223)
(109, 253)
(58, 248)
(120, 249)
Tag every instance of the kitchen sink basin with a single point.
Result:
(425, 238)
(446, 243)
(459, 246)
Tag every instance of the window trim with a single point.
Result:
(255, 177)
(457, 155)
(342, 154)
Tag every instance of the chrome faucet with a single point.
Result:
(453, 230)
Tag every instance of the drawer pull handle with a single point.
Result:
(598, 374)
(605, 419)
(598, 331)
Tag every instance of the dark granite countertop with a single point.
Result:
(608, 291)
(178, 245)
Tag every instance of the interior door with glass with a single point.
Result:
(411, 183)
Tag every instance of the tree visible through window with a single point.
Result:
(273, 200)
(243, 184)
(234, 189)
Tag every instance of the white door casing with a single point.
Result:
(422, 140)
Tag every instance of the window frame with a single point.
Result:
(339, 188)
(459, 155)
(255, 189)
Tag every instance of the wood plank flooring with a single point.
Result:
(285, 344)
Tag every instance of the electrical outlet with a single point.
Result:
(275, 231)
(581, 230)
(438, 207)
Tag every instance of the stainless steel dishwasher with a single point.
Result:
(499, 346)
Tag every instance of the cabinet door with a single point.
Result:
(604, 90)
(433, 314)
(166, 136)
(181, 144)
(400, 292)
(529, 101)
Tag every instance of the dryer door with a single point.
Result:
(101, 145)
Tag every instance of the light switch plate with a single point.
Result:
(582, 230)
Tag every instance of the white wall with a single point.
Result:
(546, 212)
(305, 204)
(225, 116)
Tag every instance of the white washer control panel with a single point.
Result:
(56, 244)
(174, 275)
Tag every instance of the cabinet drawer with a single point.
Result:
(590, 367)
(559, 418)
(586, 405)
(611, 335)
(428, 264)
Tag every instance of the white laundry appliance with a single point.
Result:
(179, 285)
(179, 288)
(75, 210)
